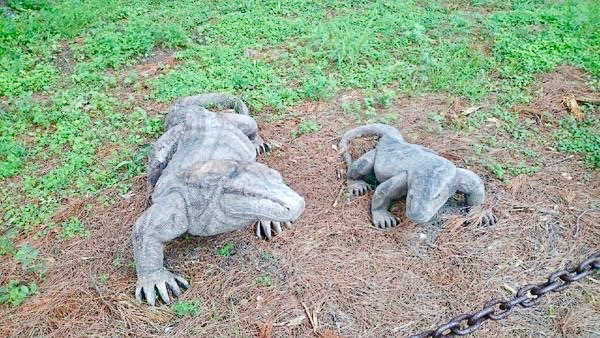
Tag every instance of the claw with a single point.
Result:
(162, 291)
(182, 281)
(262, 148)
(150, 294)
(277, 226)
(160, 281)
(258, 232)
(384, 219)
(172, 284)
(267, 229)
(357, 187)
(488, 218)
(138, 294)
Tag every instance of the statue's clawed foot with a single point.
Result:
(261, 146)
(358, 187)
(266, 229)
(162, 281)
(488, 218)
(384, 219)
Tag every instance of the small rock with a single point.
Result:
(567, 176)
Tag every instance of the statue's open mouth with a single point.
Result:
(279, 209)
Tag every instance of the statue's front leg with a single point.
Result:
(358, 171)
(472, 186)
(387, 191)
(159, 224)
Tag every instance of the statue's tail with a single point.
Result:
(376, 129)
(211, 101)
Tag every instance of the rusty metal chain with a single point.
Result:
(527, 296)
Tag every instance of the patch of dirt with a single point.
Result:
(333, 273)
(161, 61)
(551, 90)
(64, 60)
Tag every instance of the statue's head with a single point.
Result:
(429, 190)
(248, 190)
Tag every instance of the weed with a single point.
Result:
(103, 279)
(580, 137)
(496, 168)
(6, 244)
(521, 167)
(226, 250)
(73, 227)
(319, 87)
(264, 281)
(131, 78)
(478, 149)
(353, 107)
(266, 256)
(503, 171)
(27, 255)
(551, 312)
(131, 264)
(437, 118)
(117, 262)
(437, 124)
(187, 308)
(389, 118)
(385, 98)
(306, 127)
(15, 292)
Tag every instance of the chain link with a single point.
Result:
(527, 296)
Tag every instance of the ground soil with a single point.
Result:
(335, 275)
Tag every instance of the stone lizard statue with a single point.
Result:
(403, 169)
(205, 181)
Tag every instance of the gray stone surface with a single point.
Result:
(205, 181)
(402, 169)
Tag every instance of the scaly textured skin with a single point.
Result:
(205, 181)
(402, 169)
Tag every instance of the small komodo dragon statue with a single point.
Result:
(205, 181)
(404, 169)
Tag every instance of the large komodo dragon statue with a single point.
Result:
(206, 181)
(404, 169)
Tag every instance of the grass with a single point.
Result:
(580, 137)
(187, 308)
(264, 281)
(15, 292)
(72, 228)
(306, 127)
(76, 116)
(226, 250)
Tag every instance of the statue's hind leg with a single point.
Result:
(358, 171)
(249, 127)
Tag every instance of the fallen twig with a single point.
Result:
(561, 160)
(576, 233)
